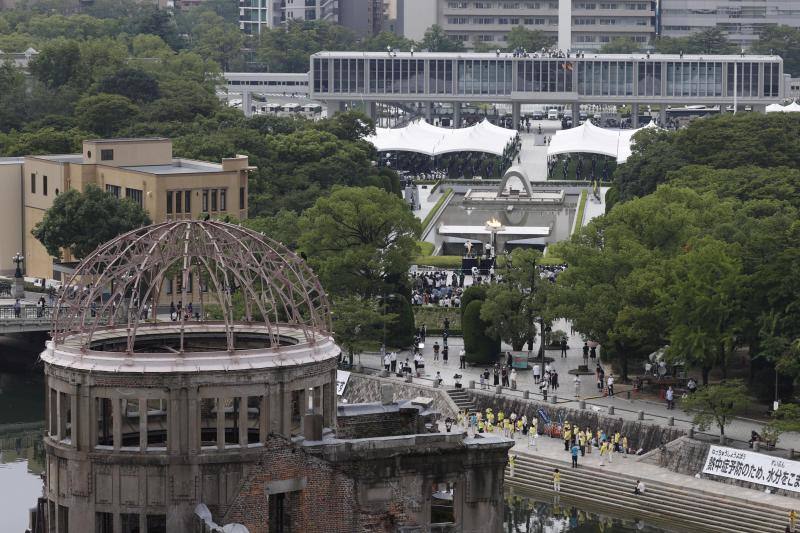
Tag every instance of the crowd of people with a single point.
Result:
(441, 288)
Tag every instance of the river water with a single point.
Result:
(22, 460)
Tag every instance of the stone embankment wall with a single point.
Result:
(640, 434)
(688, 456)
(362, 388)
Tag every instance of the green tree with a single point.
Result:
(621, 45)
(217, 39)
(505, 315)
(57, 63)
(479, 346)
(711, 41)
(531, 40)
(436, 40)
(359, 240)
(283, 227)
(357, 325)
(783, 41)
(105, 113)
(704, 298)
(80, 222)
(717, 405)
(288, 49)
(387, 39)
(132, 83)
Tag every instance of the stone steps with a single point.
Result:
(462, 400)
(614, 491)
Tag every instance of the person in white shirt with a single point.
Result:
(513, 377)
(610, 384)
(387, 361)
(537, 373)
(577, 381)
(640, 487)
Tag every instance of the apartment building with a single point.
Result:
(741, 20)
(364, 17)
(142, 170)
(592, 23)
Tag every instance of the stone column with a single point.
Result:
(247, 103)
(429, 112)
(143, 423)
(634, 116)
(456, 114)
(370, 110)
(243, 422)
(576, 113)
(515, 114)
(662, 116)
(116, 417)
(220, 423)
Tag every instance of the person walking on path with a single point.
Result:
(603, 452)
(17, 308)
(556, 480)
(574, 451)
(585, 353)
(393, 362)
(462, 358)
(537, 373)
(436, 351)
(513, 379)
(554, 380)
(512, 462)
(496, 373)
(387, 362)
(577, 381)
(445, 353)
(563, 346)
(610, 384)
(670, 396)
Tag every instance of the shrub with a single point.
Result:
(480, 348)
(400, 333)
(473, 292)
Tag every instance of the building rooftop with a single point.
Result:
(178, 166)
(61, 158)
(532, 55)
(11, 160)
(127, 139)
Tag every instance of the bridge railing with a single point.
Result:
(26, 312)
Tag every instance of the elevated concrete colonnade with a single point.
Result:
(339, 78)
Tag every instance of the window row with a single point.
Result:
(215, 200)
(44, 185)
(130, 523)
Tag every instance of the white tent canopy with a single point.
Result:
(424, 138)
(778, 108)
(590, 139)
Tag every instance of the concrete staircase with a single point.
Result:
(680, 508)
(462, 400)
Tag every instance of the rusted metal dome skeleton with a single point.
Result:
(112, 287)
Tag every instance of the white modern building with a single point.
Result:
(591, 23)
(741, 20)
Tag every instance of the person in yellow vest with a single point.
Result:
(603, 451)
(520, 427)
(556, 480)
(490, 416)
(582, 442)
(567, 437)
(532, 436)
(481, 427)
(616, 441)
(625, 445)
(610, 450)
(792, 519)
(588, 440)
(512, 461)
(500, 417)
(507, 428)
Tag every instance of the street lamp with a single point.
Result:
(18, 260)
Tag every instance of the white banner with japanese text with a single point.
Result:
(342, 377)
(755, 467)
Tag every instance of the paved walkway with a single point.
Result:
(655, 410)
(533, 153)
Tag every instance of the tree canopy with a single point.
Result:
(359, 241)
(80, 222)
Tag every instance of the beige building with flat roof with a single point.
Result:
(11, 209)
(142, 170)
